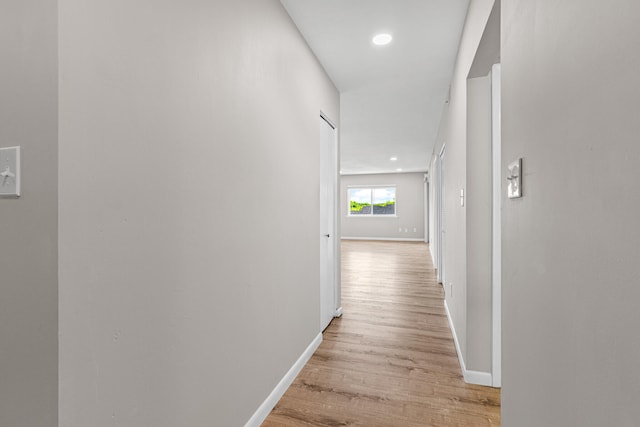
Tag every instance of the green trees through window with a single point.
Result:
(372, 201)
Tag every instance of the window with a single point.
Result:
(370, 201)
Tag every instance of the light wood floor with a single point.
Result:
(390, 360)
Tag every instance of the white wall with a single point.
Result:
(479, 230)
(29, 225)
(453, 133)
(189, 240)
(570, 245)
(410, 206)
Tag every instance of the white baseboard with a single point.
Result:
(263, 411)
(391, 239)
(478, 377)
(338, 312)
(470, 377)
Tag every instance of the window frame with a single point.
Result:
(371, 188)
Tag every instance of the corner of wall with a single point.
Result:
(470, 377)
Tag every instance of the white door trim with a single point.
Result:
(436, 216)
(442, 222)
(496, 251)
(426, 208)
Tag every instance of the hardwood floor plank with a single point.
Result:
(390, 360)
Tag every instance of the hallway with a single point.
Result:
(390, 360)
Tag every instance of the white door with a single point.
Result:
(328, 238)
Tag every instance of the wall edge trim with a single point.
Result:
(270, 402)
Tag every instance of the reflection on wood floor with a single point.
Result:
(390, 360)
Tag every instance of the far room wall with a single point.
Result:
(408, 223)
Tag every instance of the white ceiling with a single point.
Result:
(391, 97)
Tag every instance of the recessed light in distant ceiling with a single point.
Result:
(399, 170)
(393, 159)
(382, 39)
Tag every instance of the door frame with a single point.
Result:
(496, 244)
(334, 238)
(426, 208)
(441, 216)
(435, 181)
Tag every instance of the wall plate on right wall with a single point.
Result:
(10, 172)
(514, 188)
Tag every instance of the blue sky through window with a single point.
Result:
(360, 195)
(384, 195)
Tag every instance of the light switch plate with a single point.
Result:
(514, 178)
(10, 172)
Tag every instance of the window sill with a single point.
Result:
(371, 216)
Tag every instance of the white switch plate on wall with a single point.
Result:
(10, 172)
(514, 179)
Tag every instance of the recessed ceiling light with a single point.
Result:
(393, 159)
(399, 170)
(382, 39)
